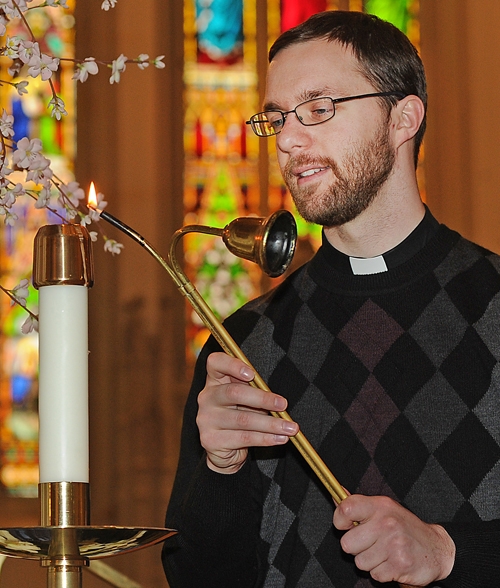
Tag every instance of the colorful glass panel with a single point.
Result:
(401, 13)
(19, 353)
(221, 175)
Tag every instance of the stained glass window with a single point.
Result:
(19, 353)
(221, 157)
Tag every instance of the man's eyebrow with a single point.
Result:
(303, 97)
(271, 106)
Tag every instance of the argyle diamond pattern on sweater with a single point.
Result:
(396, 402)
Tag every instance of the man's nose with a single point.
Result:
(293, 134)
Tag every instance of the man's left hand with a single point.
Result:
(392, 543)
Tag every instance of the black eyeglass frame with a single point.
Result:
(253, 122)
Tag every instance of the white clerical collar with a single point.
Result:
(368, 265)
(415, 241)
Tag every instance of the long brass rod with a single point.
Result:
(227, 343)
(231, 348)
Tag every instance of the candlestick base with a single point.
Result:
(66, 542)
(64, 551)
(69, 545)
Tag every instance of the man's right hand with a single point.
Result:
(233, 416)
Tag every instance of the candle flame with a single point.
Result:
(92, 199)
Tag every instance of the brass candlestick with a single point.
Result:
(65, 542)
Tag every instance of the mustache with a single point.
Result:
(306, 160)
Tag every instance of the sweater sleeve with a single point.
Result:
(216, 515)
(476, 561)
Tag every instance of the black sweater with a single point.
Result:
(395, 380)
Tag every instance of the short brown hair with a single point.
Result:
(386, 56)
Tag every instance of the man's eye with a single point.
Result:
(321, 112)
(275, 120)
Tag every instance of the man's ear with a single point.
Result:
(408, 116)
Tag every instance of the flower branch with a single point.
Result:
(18, 295)
(26, 154)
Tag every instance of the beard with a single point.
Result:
(357, 182)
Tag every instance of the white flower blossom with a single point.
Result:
(21, 292)
(4, 172)
(21, 87)
(69, 199)
(93, 236)
(117, 67)
(158, 62)
(26, 152)
(94, 214)
(71, 212)
(43, 66)
(29, 325)
(58, 107)
(101, 203)
(89, 66)
(10, 217)
(7, 198)
(107, 4)
(143, 61)
(8, 195)
(112, 246)
(39, 169)
(10, 8)
(12, 47)
(15, 67)
(3, 24)
(44, 195)
(29, 52)
(6, 122)
(18, 190)
(72, 193)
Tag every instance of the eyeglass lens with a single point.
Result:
(312, 112)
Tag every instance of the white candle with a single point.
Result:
(63, 380)
(63, 272)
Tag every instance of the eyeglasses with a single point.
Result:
(309, 113)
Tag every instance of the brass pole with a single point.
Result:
(231, 348)
(226, 341)
(65, 505)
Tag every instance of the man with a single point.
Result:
(383, 349)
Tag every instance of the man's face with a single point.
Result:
(333, 170)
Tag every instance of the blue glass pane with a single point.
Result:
(219, 25)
